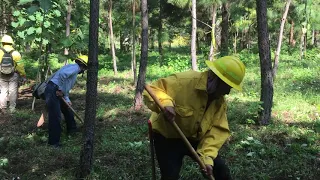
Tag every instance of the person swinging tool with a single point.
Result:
(195, 101)
(57, 88)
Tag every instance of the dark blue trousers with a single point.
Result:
(55, 106)
(170, 153)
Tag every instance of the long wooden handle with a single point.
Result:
(176, 127)
(74, 112)
(152, 150)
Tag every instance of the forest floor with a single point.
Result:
(288, 148)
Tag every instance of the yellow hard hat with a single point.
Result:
(229, 69)
(83, 59)
(7, 39)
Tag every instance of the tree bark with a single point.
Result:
(312, 37)
(265, 62)
(213, 35)
(291, 42)
(194, 36)
(144, 55)
(225, 30)
(315, 39)
(302, 42)
(86, 157)
(68, 20)
(283, 20)
(235, 41)
(133, 60)
(122, 46)
(160, 49)
(113, 51)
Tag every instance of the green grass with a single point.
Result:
(288, 148)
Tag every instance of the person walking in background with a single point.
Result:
(58, 87)
(11, 70)
(195, 101)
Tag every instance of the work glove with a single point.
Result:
(169, 113)
(22, 81)
(207, 172)
(59, 93)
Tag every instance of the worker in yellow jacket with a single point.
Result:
(195, 101)
(10, 73)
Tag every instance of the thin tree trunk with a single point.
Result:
(265, 63)
(160, 49)
(144, 55)
(235, 41)
(213, 36)
(133, 61)
(194, 36)
(122, 38)
(283, 20)
(312, 37)
(113, 51)
(68, 20)
(306, 28)
(303, 30)
(291, 34)
(315, 39)
(86, 157)
(225, 30)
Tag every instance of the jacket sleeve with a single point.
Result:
(64, 75)
(213, 140)
(161, 89)
(19, 65)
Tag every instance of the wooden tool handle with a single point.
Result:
(74, 112)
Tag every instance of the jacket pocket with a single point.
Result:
(185, 119)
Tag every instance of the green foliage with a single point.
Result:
(39, 25)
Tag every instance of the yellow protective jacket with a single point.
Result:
(186, 91)
(16, 58)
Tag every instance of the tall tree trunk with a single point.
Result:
(225, 30)
(213, 35)
(194, 36)
(152, 38)
(68, 20)
(315, 39)
(302, 42)
(283, 20)
(160, 49)
(133, 60)
(235, 41)
(291, 42)
(113, 51)
(306, 28)
(265, 63)
(312, 37)
(86, 157)
(122, 39)
(144, 55)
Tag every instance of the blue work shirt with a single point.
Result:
(65, 78)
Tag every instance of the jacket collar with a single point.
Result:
(202, 83)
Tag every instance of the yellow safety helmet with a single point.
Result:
(83, 59)
(229, 69)
(7, 39)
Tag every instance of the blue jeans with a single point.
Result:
(170, 153)
(55, 106)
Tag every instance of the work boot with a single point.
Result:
(72, 132)
(56, 146)
(3, 111)
(12, 110)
